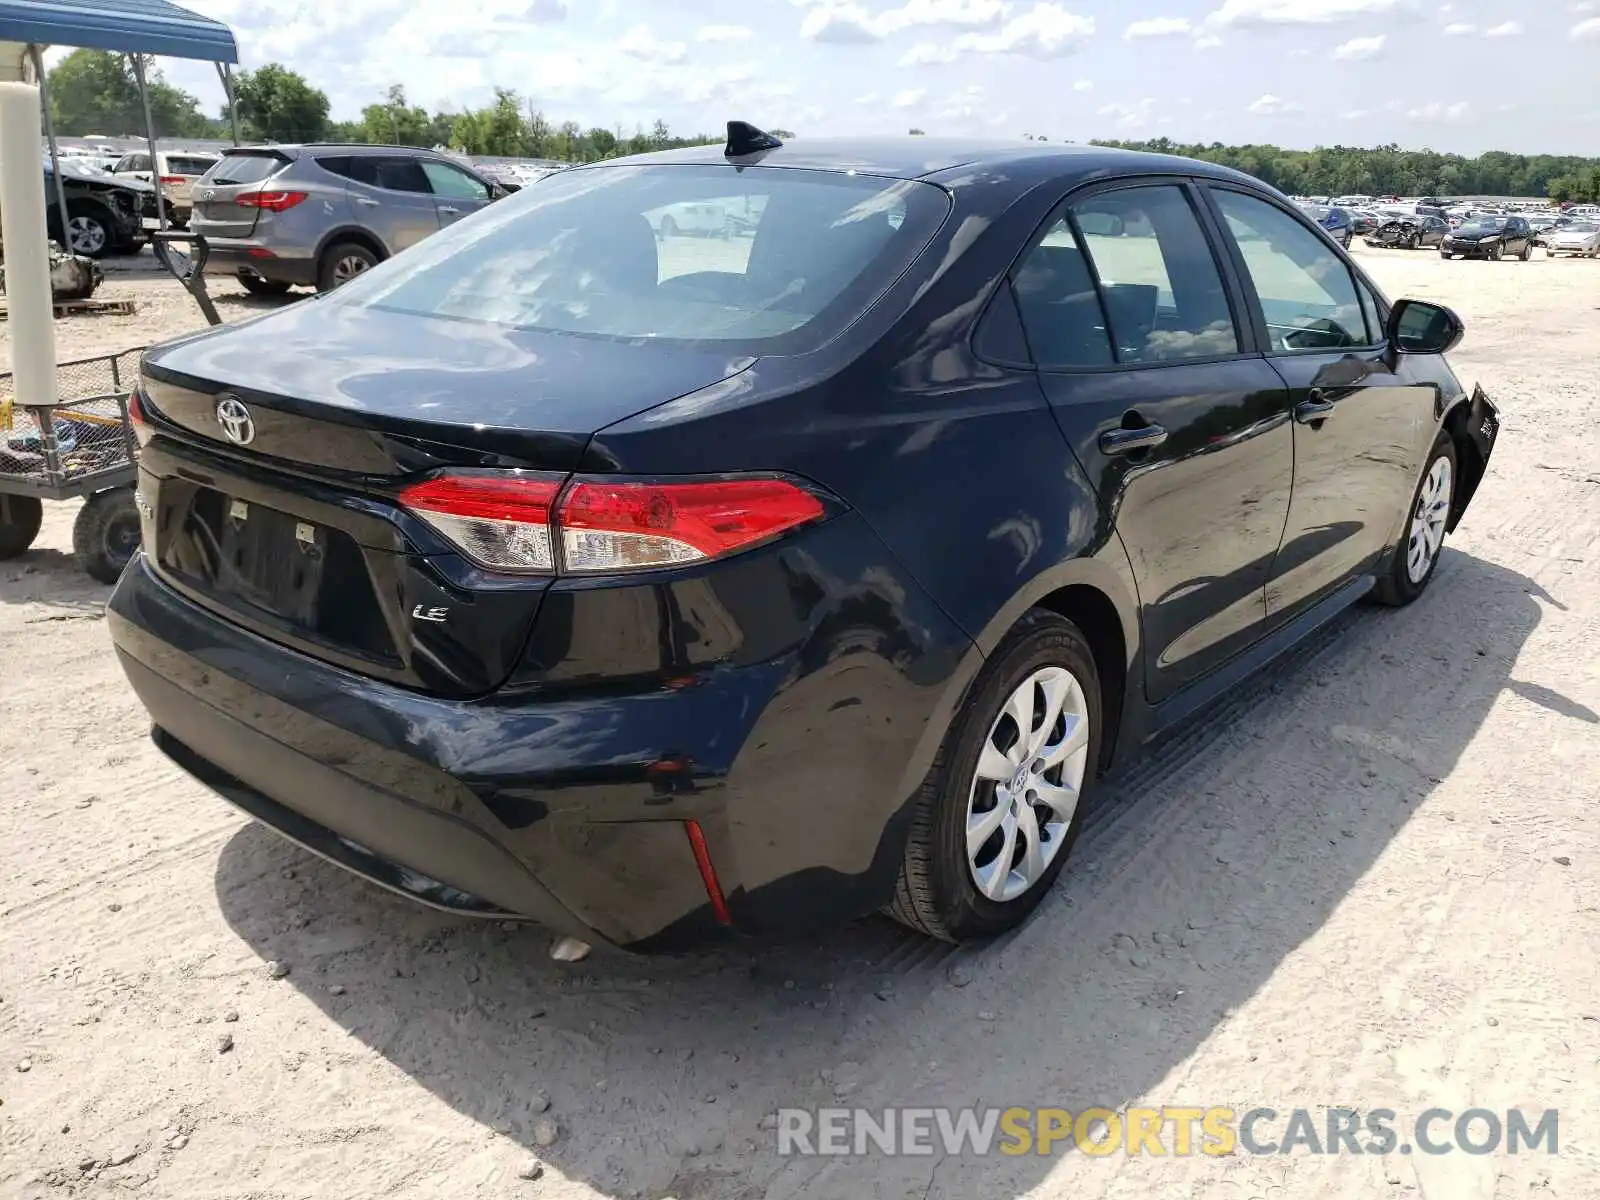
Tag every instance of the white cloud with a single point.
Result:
(847, 21)
(1505, 29)
(1360, 49)
(1130, 117)
(1272, 106)
(724, 33)
(1441, 112)
(1585, 30)
(925, 54)
(542, 12)
(1268, 13)
(1354, 114)
(1460, 29)
(909, 98)
(1083, 85)
(1207, 41)
(1158, 27)
(963, 105)
(640, 43)
(1046, 31)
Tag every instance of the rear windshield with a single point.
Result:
(178, 164)
(244, 168)
(763, 260)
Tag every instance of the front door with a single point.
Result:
(1184, 435)
(1359, 424)
(455, 193)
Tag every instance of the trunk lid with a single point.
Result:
(217, 212)
(293, 531)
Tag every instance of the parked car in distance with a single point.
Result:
(1364, 221)
(691, 220)
(1408, 233)
(1578, 237)
(105, 214)
(178, 171)
(1490, 237)
(656, 592)
(277, 217)
(1335, 221)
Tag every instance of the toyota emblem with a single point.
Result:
(237, 424)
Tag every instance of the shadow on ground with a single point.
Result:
(660, 1070)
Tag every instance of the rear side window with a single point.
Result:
(795, 257)
(1162, 290)
(245, 168)
(335, 164)
(1307, 293)
(402, 175)
(1060, 307)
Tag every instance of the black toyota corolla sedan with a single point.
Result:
(652, 586)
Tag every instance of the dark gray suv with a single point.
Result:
(281, 216)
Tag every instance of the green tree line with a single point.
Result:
(1391, 171)
(92, 91)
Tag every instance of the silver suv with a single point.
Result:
(281, 216)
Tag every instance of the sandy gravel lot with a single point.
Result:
(1373, 881)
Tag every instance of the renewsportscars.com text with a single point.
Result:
(1174, 1130)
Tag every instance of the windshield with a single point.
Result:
(1580, 227)
(1490, 222)
(178, 164)
(763, 260)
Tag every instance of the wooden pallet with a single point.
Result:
(101, 308)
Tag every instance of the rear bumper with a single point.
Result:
(229, 256)
(567, 804)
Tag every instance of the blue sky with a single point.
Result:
(1467, 76)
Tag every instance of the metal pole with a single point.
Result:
(225, 74)
(150, 138)
(55, 153)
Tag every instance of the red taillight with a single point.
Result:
(275, 201)
(173, 179)
(137, 420)
(626, 525)
(500, 521)
(513, 522)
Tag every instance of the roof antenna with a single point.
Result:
(744, 138)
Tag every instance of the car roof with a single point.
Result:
(917, 157)
(341, 147)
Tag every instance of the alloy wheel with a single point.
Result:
(87, 235)
(1427, 523)
(348, 267)
(1029, 777)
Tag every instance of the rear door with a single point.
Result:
(1359, 426)
(455, 193)
(1183, 431)
(390, 195)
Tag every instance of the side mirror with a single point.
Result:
(1418, 327)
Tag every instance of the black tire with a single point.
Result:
(106, 534)
(1395, 587)
(20, 518)
(258, 286)
(1527, 251)
(330, 270)
(98, 232)
(1446, 255)
(935, 893)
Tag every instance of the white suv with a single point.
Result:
(178, 169)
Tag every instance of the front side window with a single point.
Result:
(402, 175)
(1159, 282)
(1307, 293)
(779, 260)
(453, 182)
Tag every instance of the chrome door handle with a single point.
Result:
(366, 201)
(1315, 408)
(449, 208)
(1126, 441)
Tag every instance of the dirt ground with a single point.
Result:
(1370, 881)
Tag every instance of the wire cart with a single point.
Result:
(81, 446)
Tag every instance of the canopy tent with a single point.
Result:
(134, 27)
